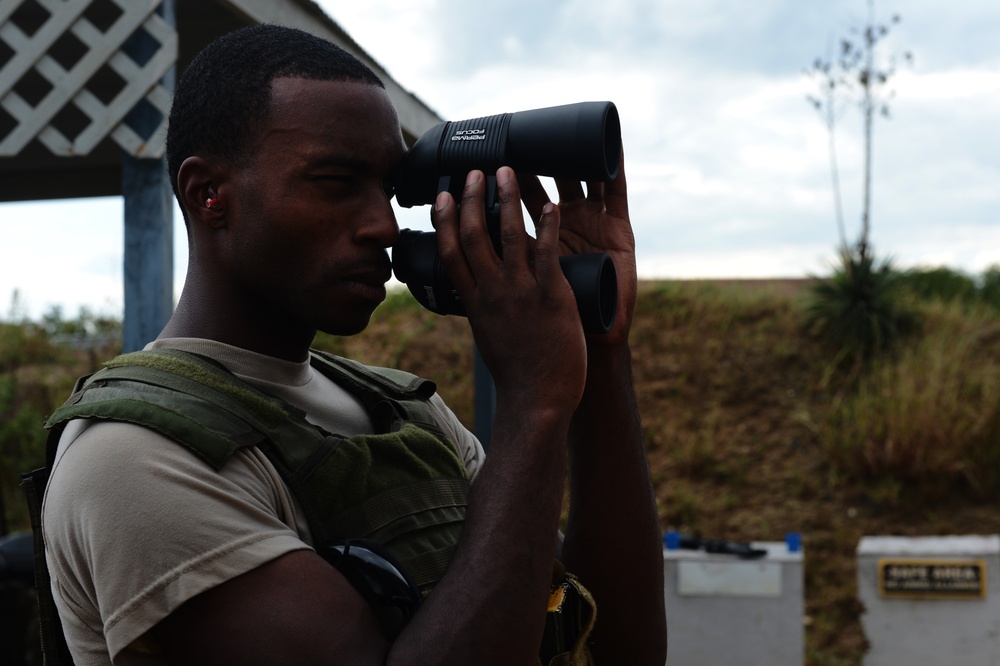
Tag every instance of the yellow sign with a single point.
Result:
(908, 578)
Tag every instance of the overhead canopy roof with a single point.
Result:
(34, 172)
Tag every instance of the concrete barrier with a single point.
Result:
(724, 609)
(930, 600)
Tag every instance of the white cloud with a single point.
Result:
(772, 262)
(969, 246)
(728, 166)
(957, 85)
(73, 258)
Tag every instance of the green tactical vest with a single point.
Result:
(404, 487)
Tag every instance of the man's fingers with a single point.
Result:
(513, 239)
(569, 190)
(616, 193)
(533, 195)
(546, 249)
(595, 191)
(446, 226)
(473, 234)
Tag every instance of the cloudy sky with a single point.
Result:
(727, 163)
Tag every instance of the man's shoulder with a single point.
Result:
(99, 460)
(89, 446)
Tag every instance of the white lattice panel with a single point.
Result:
(95, 50)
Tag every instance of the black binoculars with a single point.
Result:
(575, 141)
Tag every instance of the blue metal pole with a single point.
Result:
(484, 399)
(149, 251)
(149, 225)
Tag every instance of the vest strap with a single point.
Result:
(55, 651)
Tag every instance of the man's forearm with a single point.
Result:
(490, 606)
(612, 540)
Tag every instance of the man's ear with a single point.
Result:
(199, 183)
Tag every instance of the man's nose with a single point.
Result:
(380, 224)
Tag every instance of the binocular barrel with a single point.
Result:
(579, 141)
(576, 141)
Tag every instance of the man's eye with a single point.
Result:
(389, 187)
(335, 181)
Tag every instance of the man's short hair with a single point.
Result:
(222, 100)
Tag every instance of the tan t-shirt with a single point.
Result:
(135, 525)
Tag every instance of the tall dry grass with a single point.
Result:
(927, 418)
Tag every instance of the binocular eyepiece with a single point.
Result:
(575, 141)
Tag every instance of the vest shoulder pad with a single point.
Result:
(396, 383)
(186, 397)
(390, 396)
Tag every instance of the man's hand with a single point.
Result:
(548, 375)
(597, 221)
(612, 516)
(521, 308)
(491, 604)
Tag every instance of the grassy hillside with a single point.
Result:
(748, 425)
(746, 420)
(751, 432)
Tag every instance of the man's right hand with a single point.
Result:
(521, 308)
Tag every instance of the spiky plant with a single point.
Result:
(856, 308)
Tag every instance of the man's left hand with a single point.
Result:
(594, 221)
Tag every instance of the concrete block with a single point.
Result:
(724, 609)
(930, 600)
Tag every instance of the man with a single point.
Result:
(280, 150)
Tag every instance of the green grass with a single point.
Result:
(30, 388)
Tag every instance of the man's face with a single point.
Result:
(308, 241)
